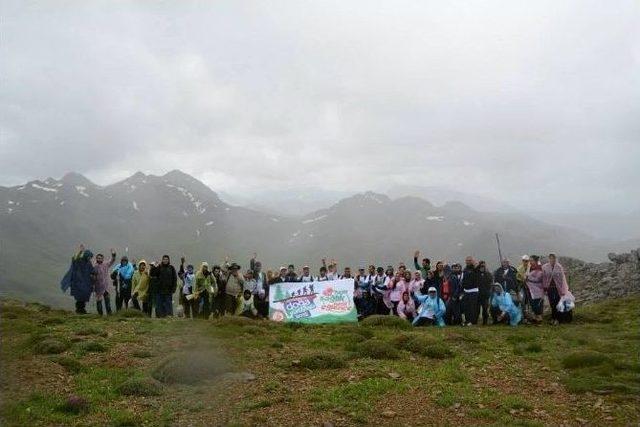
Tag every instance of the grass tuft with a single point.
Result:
(322, 360)
(583, 359)
(387, 322)
(70, 364)
(50, 346)
(375, 349)
(140, 387)
(92, 347)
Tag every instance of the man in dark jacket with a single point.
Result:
(220, 298)
(80, 278)
(166, 282)
(471, 290)
(485, 282)
(506, 275)
(453, 305)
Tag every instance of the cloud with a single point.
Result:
(343, 95)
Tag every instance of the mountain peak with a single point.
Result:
(74, 178)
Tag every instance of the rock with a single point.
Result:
(581, 420)
(512, 411)
(295, 362)
(394, 375)
(456, 405)
(239, 376)
(388, 414)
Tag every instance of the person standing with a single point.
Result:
(166, 279)
(261, 292)
(485, 282)
(423, 268)
(454, 290)
(535, 287)
(79, 278)
(221, 297)
(471, 292)
(291, 274)
(204, 291)
(125, 275)
(555, 283)
(103, 281)
(506, 275)
(140, 287)
(234, 288)
(186, 298)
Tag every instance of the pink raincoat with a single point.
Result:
(555, 274)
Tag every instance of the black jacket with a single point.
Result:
(165, 279)
(508, 280)
(486, 281)
(470, 278)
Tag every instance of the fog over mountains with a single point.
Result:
(146, 216)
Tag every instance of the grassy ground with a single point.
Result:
(126, 370)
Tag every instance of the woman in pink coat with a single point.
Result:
(533, 281)
(555, 284)
(406, 307)
(398, 287)
(102, 281)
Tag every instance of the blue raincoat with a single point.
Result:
(79, 276)
(504, 303)
(433, 305)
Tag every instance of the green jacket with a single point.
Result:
(423, 271)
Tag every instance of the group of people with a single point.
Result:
(445, 295)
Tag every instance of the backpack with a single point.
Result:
(445, 291)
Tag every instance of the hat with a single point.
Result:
(205, 264)
(283, 268)
(525, 257)
(306, 266)
(234, 266)
(432, 289)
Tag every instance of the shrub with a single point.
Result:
(387, 322)
(75, 405)
(582, 359)
(322, 361)
(375, 349)
(436, 351)
(92, 347)
(423, 345)
(50, 346)
(277, 344)
(70, 364)
(202, 365)
(140, 387)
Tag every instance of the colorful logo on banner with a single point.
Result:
(313, 302)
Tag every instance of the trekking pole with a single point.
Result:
(499, 250)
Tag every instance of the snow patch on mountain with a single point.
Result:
(135, 206)
(435, 218)
(40, 187)
(82, 190)
(467, 223)
(319, 218)
(197, 204)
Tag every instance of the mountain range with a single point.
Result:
(146, 216)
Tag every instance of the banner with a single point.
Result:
(313, 302)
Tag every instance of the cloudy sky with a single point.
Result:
(536, 103)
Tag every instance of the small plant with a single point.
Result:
(75, 405)
(322, 361)
(140, 387)
(129, 314)
(70, 364)
(50, 346)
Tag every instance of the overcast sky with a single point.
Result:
(535, 103)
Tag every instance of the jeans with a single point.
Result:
(164, 306)
(470, 307)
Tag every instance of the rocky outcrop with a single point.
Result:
(591, 282)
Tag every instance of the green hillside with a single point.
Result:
(127, 370)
